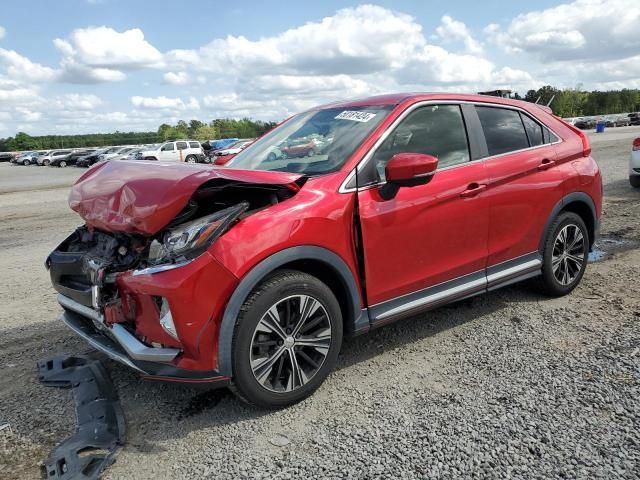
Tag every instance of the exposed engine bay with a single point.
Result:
(91, 257)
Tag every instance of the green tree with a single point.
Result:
(204, 133)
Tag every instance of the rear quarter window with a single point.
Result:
(534, 130)
(181, 145)
(503, 130)
(194, 144)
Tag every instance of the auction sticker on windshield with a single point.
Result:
(355, 116)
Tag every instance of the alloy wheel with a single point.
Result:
(290, 343)
(568, 254)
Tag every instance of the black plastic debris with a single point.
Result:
(100, 426)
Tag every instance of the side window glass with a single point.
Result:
(194, 145)
(534, 130)
(436, 130)
(168, 147)
(503, 130)
(181, 145)
(548, 136)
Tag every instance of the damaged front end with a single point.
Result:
(140, 285)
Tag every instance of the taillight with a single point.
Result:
(636, 144)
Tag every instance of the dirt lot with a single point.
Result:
(508, 384)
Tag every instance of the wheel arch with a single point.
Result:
(581, 204)
(316, 261)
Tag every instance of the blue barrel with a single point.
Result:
(600, 126)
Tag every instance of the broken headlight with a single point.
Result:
(190, 239)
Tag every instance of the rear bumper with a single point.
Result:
(122, 346)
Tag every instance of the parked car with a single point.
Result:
(634, 118)
(54, 155)
(90, 159)
(586, 123)
(189, 151)
(70, 159)
(6, 156)
(251, 275)
(634, 164)
(221, 143)
(223, 156)
(129, 154)
(299, 148)
(26, 158)
(616, 121)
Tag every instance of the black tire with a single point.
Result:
(26, 162)
(271, 157)
(151, 158)
(46, 162)
(284, 286)
(555, 284)
(191, 159)
(62, 164)
(634, 180)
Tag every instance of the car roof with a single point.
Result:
(412, 97)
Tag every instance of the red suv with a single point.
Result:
(250, 276)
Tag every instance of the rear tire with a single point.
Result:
(281, 355)
(62, 164)
(565, 255)
(26, 162)
(191, 159)
(634, 180)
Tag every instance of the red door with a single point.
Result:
(524, 186)
(426, 235)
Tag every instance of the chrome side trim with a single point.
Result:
(517, 269)
(436, 298)
(343, 186)
(134, 348)
(496, 276)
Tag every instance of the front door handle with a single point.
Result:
(546, 164)
(473, 189)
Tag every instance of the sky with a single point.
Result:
(91, 66)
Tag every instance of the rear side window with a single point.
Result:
(181, 145)
(548, 136)
(194, 144)
(503, 130)
(436, 130)
(534, 130)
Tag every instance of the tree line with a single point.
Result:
(574, 102)
(195, 129)
(569, 102)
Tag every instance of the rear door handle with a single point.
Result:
(473, 189)
(546, 164)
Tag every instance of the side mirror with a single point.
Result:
(407, 170)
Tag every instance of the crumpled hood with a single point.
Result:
(143, 197)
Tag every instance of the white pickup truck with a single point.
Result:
(189, 151)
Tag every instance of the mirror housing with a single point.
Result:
(407, 170)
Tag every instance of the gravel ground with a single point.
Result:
(505, 385)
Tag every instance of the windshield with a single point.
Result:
(312, 143)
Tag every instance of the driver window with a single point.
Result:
(167, 147)
(436, 130)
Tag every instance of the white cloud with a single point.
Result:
(179, 78)
(163, 102)
(20, 67)
(582, 30)
(450, 30)
(102, 54)
(357, 40)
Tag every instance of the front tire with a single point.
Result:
(62, 164)
(286, 340)
(565, 255)
(26, 162)
(634, 180)
(46, 162)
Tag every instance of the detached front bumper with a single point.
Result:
(122, 346)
